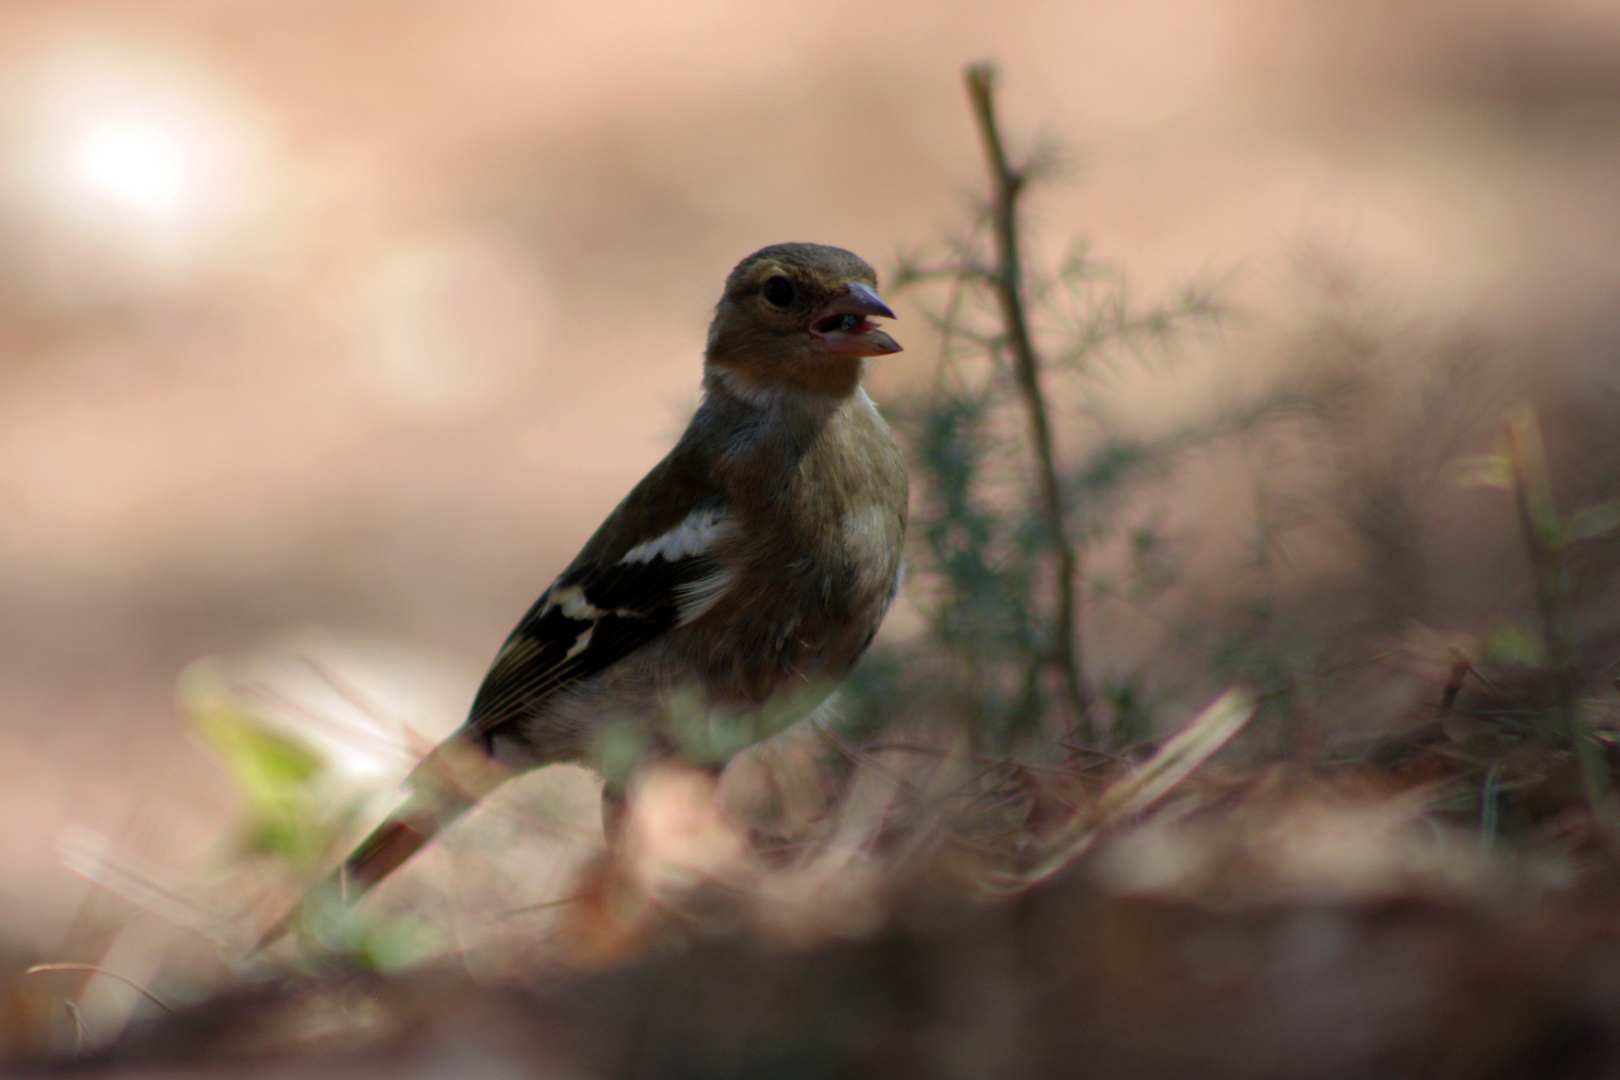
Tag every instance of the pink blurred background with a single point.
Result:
(358, 317)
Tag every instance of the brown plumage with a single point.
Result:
(730, 591)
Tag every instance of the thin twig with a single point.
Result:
(529, 909)
(125, 979)
(80, 1032)
(859, 757)
(1008, 284)
(1315, 676)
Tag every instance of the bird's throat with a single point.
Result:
(829, 379)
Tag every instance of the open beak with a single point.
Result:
(844, 329)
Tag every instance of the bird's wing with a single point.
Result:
(610, 602)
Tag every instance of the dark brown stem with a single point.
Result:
(1006, 279)
(1538, 521)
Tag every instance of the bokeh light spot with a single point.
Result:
(137, 155)
(137, 163)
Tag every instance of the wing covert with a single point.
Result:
(598, 612)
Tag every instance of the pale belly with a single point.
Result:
(639, 710)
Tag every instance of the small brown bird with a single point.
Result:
(732, 589)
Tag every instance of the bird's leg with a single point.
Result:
(614, 805)
(616, 799)
(616, 788)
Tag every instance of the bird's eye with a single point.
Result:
(779, 291)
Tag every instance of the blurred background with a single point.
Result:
(346, 323)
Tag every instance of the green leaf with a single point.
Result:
(286, 811)
(262, 761)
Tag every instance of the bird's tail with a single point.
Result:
(443, 788)
(417, 820)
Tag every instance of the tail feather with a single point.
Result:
(440, 797)
(406, 831)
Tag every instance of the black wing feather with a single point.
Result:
(630, 604)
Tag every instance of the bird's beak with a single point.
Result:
(843, 328)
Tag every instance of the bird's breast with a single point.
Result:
(813, 562)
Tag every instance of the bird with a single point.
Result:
(726, 596)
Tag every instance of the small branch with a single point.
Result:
(1007, 282)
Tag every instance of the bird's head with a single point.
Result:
(798, 316)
